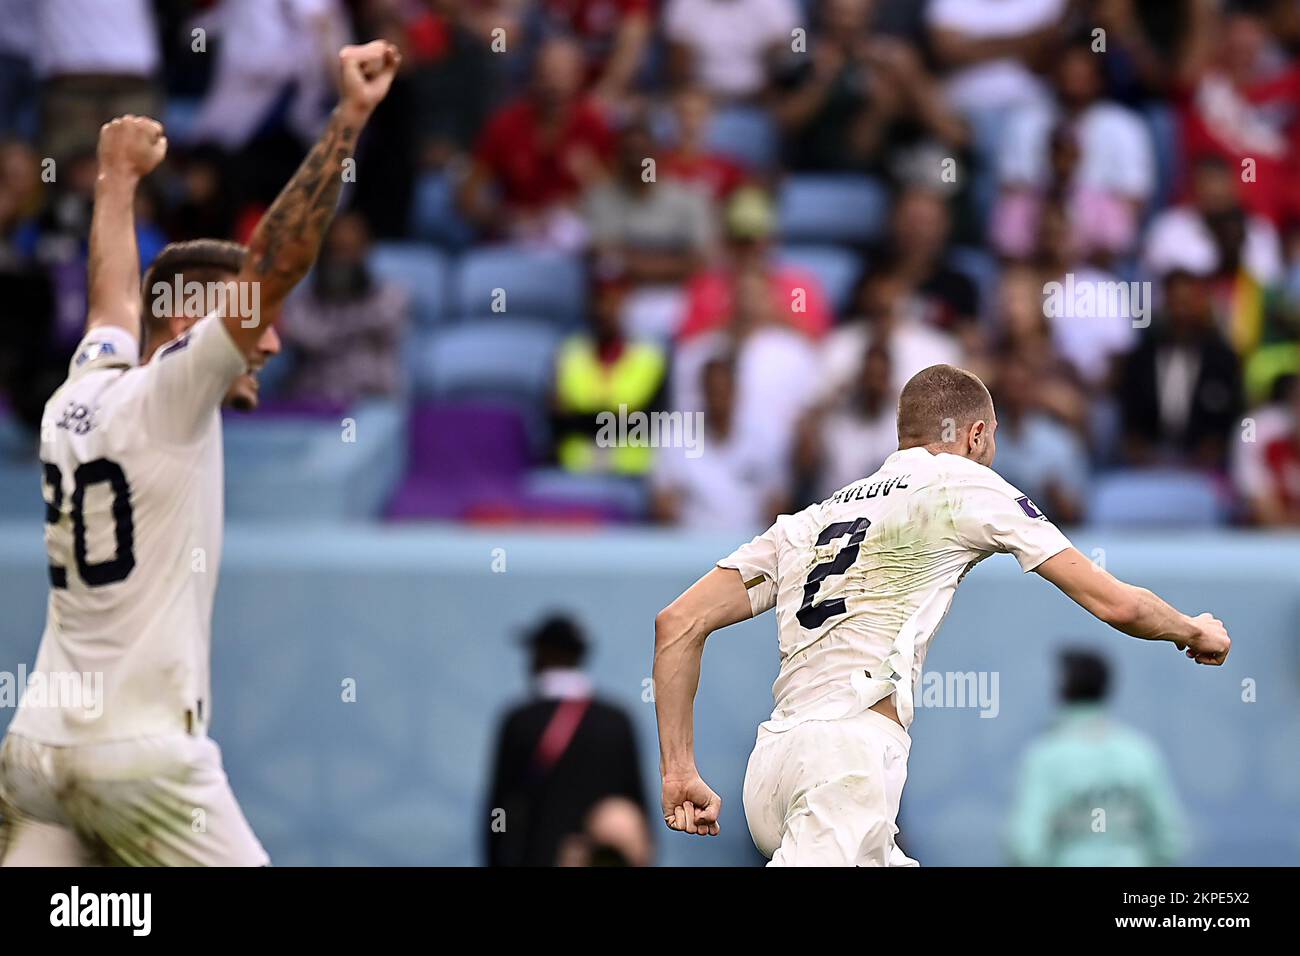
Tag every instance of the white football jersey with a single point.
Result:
(133, 486)
(862, 580)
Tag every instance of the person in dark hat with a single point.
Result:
(557, 755)
(1092, 791)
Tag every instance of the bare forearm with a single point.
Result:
(113, 271)
(1154, 619)
(678, 651)
(287, 240)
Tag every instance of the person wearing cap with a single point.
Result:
(796, 296)
(1093, 792)
(557, 755)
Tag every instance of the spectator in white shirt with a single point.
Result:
(725, 482)
(990, 48)
(95, 61)
(1112, 175)
(850, 439)
(776, 370)
(727, 46)
(1212, 234)
(885, 314)
(267, 50)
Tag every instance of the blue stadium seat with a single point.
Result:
(486, 355)
(621, 495)
(505, 360)
(835, 267)
(832, 208)
(299, 467)
(422, 272)
(547, 285)
(1156, 497)
(746, 135)
(434, 216)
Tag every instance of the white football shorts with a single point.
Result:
(153, 801)
(826, 792)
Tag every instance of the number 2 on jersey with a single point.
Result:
(810, 615)
(93, 473)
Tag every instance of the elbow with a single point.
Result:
(672, 627)
(667, 623)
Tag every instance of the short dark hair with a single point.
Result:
(196, 260)
(937, 400)
(1085, 676)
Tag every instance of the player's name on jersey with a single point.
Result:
(862, 490)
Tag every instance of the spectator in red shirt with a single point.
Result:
(691, 160)
(797, 297)
(537, 153)
(1275, 502)
(615, 35)
(1239, 92)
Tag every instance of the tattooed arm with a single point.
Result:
(288, 239)
(130, 147)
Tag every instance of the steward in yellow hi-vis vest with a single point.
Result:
(618, 377)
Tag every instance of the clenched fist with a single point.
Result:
(131, 146)
(366, 73)
(1211, 644)
(690, 805)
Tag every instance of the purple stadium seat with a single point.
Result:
(461, 455)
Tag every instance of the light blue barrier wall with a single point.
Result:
(426, 628)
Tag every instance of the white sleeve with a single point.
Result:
(106, 346)
(756, 562)
(188, 379)
(992, 516)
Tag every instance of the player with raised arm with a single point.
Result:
(124, 773)
(860, 583)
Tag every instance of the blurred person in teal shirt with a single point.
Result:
(1092, 791)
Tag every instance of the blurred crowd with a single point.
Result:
(1033, 156)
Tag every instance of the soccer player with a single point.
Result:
(860, 583)
(132, 458)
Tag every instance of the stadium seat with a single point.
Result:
(1156, 497)
(421, 271)
(486, 355)
(832, 208)
(434, 216)
(302, 460)
(746, 135)
(834, 266)
(620, 497)
(461, 453)
(548, 285)
(506, 360)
